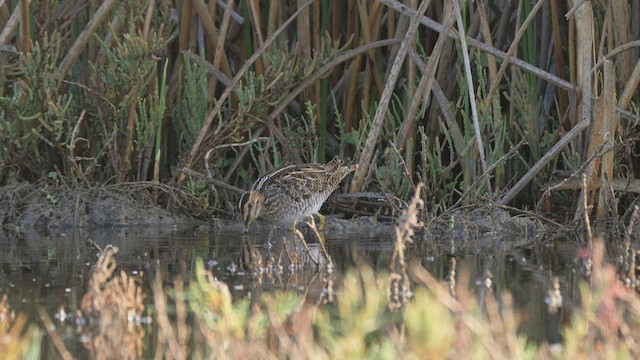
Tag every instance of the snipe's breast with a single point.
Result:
(290, 204)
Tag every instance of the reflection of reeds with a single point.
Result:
(399, 285)
(16, 340)
(444, 319)
(172, 338)
(311, 223)
(607, 324)
(112, 309)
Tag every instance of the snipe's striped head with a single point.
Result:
(250, 206)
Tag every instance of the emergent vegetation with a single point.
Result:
(142, 91)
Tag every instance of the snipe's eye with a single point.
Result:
(250, 205)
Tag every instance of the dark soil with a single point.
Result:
(46, 207)
(485, 228)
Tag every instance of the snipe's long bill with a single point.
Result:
(294, 191)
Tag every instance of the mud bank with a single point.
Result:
(46, 207)
(485, 228)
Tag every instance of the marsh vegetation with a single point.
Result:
(530, 108)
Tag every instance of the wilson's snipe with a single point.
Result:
(294, 191)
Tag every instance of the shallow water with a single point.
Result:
(52, 272)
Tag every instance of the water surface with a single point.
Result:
(52, 272)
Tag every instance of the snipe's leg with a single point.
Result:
(272, 231)
(321, 239)
(322, 221)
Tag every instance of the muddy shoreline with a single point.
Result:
(47, 207)
(50, 208)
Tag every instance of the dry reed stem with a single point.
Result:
(516, 78)
(604, 31)
(406, 170)
(272, 19)
(114, 28)
(609, 124)
(303, 32)
(55, 337)
(597, 136)
(240, 155)
(304, 48)
(626, 185)
(11, 24)
(212, 9)
(372, 138)
(585, 43)
(78, 46)
(434, 25)
(335, 32)
(8, 48)
(445, 107)
(615, 52)
(219, 53)
(585, 205)
(25, 27)
(632, 222)
(491, 60)
(234, 82)
(486, 34)
(72, 146)
(18, 324)
(630, 88)
(574, 8)
(509, 154)
(423, 91)
(353, 74)
(234, 15)
(184, 32)
(147, 20)
(512, 48)
(620, 22)
(472, 95)
(131, 125)
(573, 96)
(185, 24)
(369, 22)
(308, 81)
(544, 160)
(559, 53)
(321, 103)
(217, 38)
(569, 182)
(211, 69)
(255, 15)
